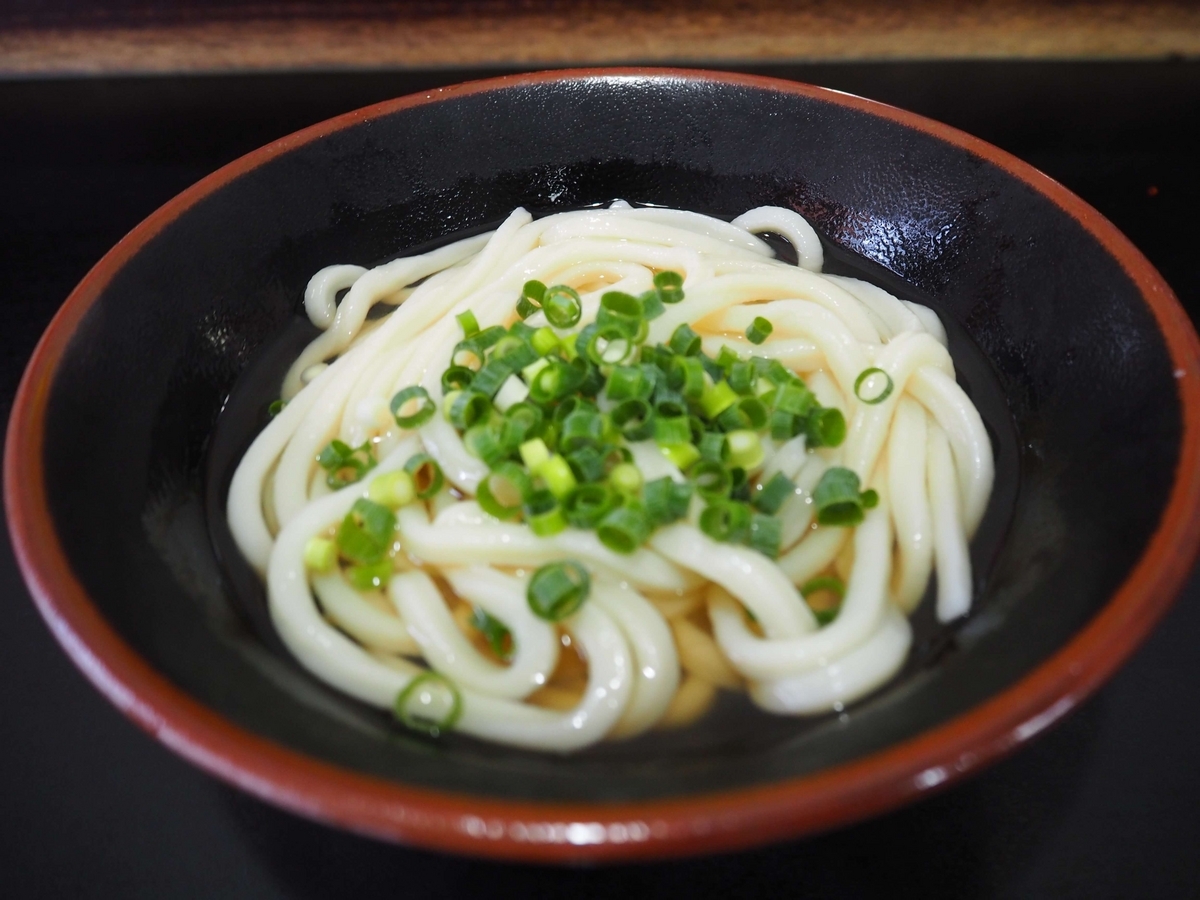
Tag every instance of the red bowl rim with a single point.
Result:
(561, 832)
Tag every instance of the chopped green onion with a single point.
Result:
(837, 498)
(558, 589)
(557, 474)
(470, 325)
(669, 286)
(544, 341)
(628, 382)
(634, 419)
(276, 407)
(667, 500)
(742, 376)
(712, 479)
(711, 369)
(829, 583)
(562, 306)
(471, 351)
(681, 455)
(878, 396)
(717, 398)
(345, 464)
(765, 535)
(543, 514)
(686, 375)
(483, 441)
(622, 311)
(672, 430)
(554, 381)
(320, 555)
(713, 446)
(521, 331)
(784, 425)
(430, 703)
(727, 521)
(548, 524)
(753, 413)
(394, 489)
(741, 484)
(581, 428)
(491, 377)
(468, 407)
(532, 296)
(589, 463)
(760, 329)
(772, 495)
(368, 578)
(608, 346)
(534, 290)
(794, 399)
(745, 449)
(526, 307)
(456, 378)
(652, 305)
(726, 359)
(534, 454)
(587, 504)
(498, 636)
(503, 492)
(626, 478)
(825, 427)
(668, 404)
(625, 528)
(426, 475)
(423, 412)
(521, 422)
(591, 379)
(366, 532)
(684, 341)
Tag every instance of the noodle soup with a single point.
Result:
(592, 470)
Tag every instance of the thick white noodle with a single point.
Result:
(465, 534)
(792, 226)
(362, 621)
(320, 301)
(845, 679)
(860, 616)
(924, 449)
(446, 648)
(910, 504)
(656, 663)
(949, 538)
(755, 580)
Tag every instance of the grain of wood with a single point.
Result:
(195, 38)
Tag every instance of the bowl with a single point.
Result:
(158, 368)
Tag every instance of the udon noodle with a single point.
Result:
(440, 622)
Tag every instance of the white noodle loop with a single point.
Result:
(667, 625)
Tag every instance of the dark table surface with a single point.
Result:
(1105, 805)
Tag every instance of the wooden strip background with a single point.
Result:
(72, 37)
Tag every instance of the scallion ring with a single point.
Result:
(429, 692)
(879, 396)
(425, 407)
(470, 325)
(760, 329)
(557, 590)
(426, 475)
(504, 491)
(562, 306)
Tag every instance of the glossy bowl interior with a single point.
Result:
(119, 453)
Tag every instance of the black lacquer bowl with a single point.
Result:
(119, 453)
